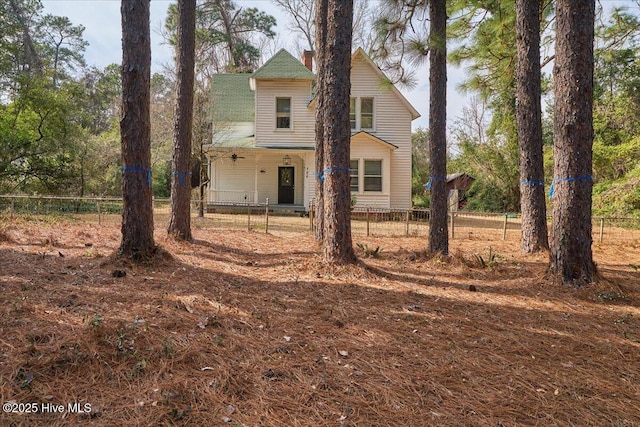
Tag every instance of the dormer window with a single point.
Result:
(361, 113)
(283, 113)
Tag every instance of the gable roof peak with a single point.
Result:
(283, 65)
(367, 59)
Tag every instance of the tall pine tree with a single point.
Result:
(137, 213)
(571, 257)
(438, 230)
(321, 44)
(335, 70)
(180, 219)
(529, 126)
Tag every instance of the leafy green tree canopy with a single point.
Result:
(227, 36)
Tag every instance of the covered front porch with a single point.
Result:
(254, 208)
(257, 177)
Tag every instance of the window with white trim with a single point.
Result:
(353, 175)
(352, 112)
(366, 113)
(373, 175)
(283, 113)
(361, 113)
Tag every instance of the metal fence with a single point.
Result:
(477, 225)
(365, 221)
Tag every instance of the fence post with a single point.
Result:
(98, 209)
(248, 217)
(13, 207)
(601, 229)
(504, 228)
(368, 221)
(453, 225)
(311, 205)
(266, 219)
(406, 223)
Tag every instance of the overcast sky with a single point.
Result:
(101, 18)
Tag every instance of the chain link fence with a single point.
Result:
(256, 217)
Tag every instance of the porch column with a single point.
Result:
(255, 181)
(309, 178)
(213, 180)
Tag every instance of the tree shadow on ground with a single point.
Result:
(177, 343)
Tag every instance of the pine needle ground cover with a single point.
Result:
(251, 329)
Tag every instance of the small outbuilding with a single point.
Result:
(457, 186)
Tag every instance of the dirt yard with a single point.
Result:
(251, 329)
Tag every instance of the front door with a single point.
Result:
(285, 185)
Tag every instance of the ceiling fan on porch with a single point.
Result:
(235, 157)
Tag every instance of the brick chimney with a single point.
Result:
(307, 59)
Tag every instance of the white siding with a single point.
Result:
(368, 200)
(309, 178)
(231, 131)
(268, 181)
(363, 149)
(233, 180)
(302, 118)
(392, 122)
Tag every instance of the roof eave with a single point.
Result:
(375, 139)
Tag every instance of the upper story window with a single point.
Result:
(283, 113)
(361, 113)
(366, 113)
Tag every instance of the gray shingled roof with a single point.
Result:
(233, 99)
(283, 66)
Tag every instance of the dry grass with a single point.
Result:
(248, 329)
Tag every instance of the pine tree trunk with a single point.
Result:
(321, 40)
(336, 72)
(571, 258)
(438, 229)
(529, 121)
(31, 54)
(180, 219)
(137, 214)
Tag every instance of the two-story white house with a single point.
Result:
(263, 136)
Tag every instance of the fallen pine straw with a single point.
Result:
(248, 329)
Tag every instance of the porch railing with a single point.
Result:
(231, 197)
